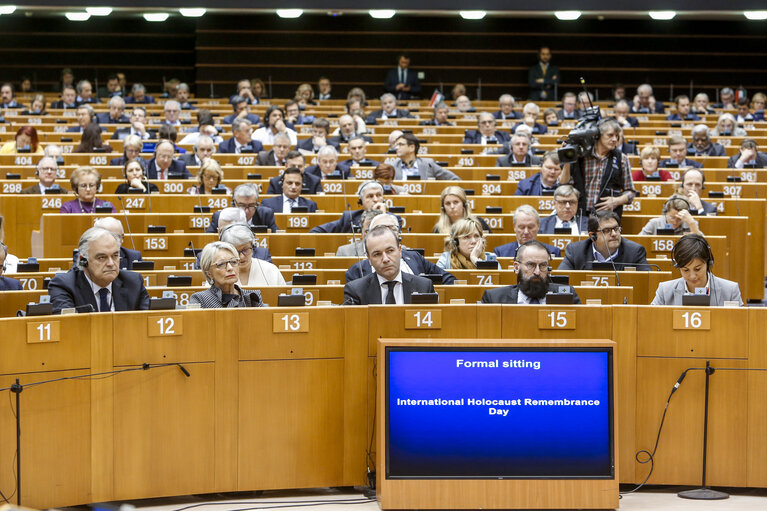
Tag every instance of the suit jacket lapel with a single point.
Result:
(679, 290)
(407, 287)
(513, 293)
(373, 289)
(85, 291)
(118, 295)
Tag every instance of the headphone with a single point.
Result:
(5, 249)
(671, 201)
(708, 254)
(82, 261)
(361, 190)
(465, 204)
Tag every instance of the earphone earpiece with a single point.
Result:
(82, 262)
(593, 237)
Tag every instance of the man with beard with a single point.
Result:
(533, 280)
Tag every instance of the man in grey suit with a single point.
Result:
(409, 166)
(533, 279)
(204, 148)
(748, 156)
(276, 156)
(564, 216)
(388, 285)
(47, 170)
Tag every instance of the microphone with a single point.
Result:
(637, 264)
(354, 239)
(615, 270)
(199, 200)
(678, 382)
(127, 223)
(184, 370)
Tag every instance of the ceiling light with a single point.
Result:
(567, 15)
(77, 16)
(662, 15)
(472, 15)
(755, 15)
(192, 13)
(99, 11)
(156, 16)
(382, 14)
(7, 9)
(289, 13)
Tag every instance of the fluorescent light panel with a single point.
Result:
(192, 13)
(662, 15)
(472, 15)
(567, 15)
(755, 15)
(99, 11)
(382, 14)
(289, 13)
(77, 16)
(156, 16)
(7, 9)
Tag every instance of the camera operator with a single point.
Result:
(599, 170)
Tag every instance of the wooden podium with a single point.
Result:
(516, 492)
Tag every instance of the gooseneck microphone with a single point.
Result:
(617, 278)
(127, 223)
(354, 238)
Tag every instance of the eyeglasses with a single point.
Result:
(223, 264)
(531, 266)
(246, 206)
(50, 170)
(609, 230)
(566, 202)
(87, 185)
(245, 251)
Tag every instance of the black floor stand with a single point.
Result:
(16, 388)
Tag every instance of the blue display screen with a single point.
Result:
(499, 413)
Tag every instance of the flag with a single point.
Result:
(436, 98)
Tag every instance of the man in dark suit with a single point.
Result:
(85, 116)
(543, 77)
(409, 166)
(682, 110)
(127, 255)
(47, 170)
(139, 95)
(97, 279)
(621, 113)
(645, 103)
(692, 182)
(605, 244)
(527, 223)
(357, 149)
(68, 99)
(242, 129)
(7, 97)
(327, 165)
(204, 148)
(545, 181)
(115, 114)
(245, 197)
(564, 216)
(347, 129)
(137, 126)
(388, 110)
(319, 138)
(506, 108)
(520, 156)
(533, 270)
(6, 283)
(163, 166)
(277, 155)
(402, 81)
(441, 116)
(292, 182)
(312, 184)
(370, 196)
(677, 150)
(702, 145)
(569, 108)
(485, 133)
(748, 156)
(241, 111)
(389, 284)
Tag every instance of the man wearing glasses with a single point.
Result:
(245, 197)
(47, 171)
(604, 244)
(533, 279)
(564, 216)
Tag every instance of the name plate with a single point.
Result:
(165, 326)
(423, 319)
(691, 319)
(556, 319)
(290, 323)
(156, 243)
(46, 331)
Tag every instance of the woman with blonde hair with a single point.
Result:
(209, 177)
(727, 126)
(465, 246)
(454, 206)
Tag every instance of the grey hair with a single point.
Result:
(79, 87)
(531, 108)
(40, 163)
(701, 95)
(50, 148)
(441, 106)
(138, 107)
(91, 235)
(609, 125)
(237, 234)
(367, 184)
(727, 90)
(369, 215)
(204, 138)
(182, 86)
(107, 222)
(506, 96)
(566, 191)
(170, 103)
(486, 115)
(138, 87)
(358, 137)
(526, 209)
(245, 190)
(701, 128)
(86, 106)
(239, 122)
(387, 96)
(327, 150)
(520, 135)
(117, 101)
(283, 136)
(232, 215)
(209, 252)
(646, 87)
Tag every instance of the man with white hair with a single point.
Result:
(520, 154)
(506, 108)
(115, 115)
(347, 129)
(701, 106)
(182, 96)
(702, 145)
(47, 170)
(204, 148)
(485, 133)
(97, 279)
(276, 156)
(327, 165)
(172, 110)
(127, 255)
(388, 110)
(85, 93)
(137, 126)
(527, 223)
(645, 103)
(530, 114)
(139, 95)
(241, 142)
(370, 196)
(245, 198)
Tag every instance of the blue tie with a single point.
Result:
(103, 303)
(566, 225)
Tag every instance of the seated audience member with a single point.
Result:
(388, 110)
(327, 165)
(388, 284)
(203, 149)
(67, 100)
(549, 118)
(530, 114)
(675, 215)
(245, 197)
(357, 94)
(139, 95)
(702, 145)
(274, 123)
(744, 113)
(11, 261)
(356, 248)
(463, 104)
(241, 141)
(458, 90)
(97, 279)
(677, 150)
(544, 181)
(319, 138)
(748, 156)
(621, 114)
(245, 90)
(7, 97)
(182, 96)
(392, 139)
(277, 155)
(454, 206)
(168, 132)
(533, 268)
(569, 108)
(113, 88)
(625, 146)
(757, 106)
(408, 165)
(726, 99)
(206, 127)
(384, 174)
(163, 165)
(220, 264)
(25, 141)
(137, 126)
(650, 157)
(605, 244)
(527, 223)
(411, 262)
(55, 152)
(305, 95)
(692, 255)
(241, 109)
(258, 88)
(312, 184)
(36, 106)
(691, 183)
(252, 270)
(85, 116)
(115, 115)
(370, 196)
(127, 256)
(25, 85)
(91, 142)
(564, 216)
(349, 127)
(6, 283)
(465, 246)
(66, 79)
(645, 103)
(324, 88)
(135, 181)
(520, 155)
(132, 147)
(683, 112)
(440, 118)
(701, 106)
(85, 181)
(47, 170)
(209, 178)
(292, 183)
(485, 133)
(294, 116)
(172, 111)
(357, 150)
(727, 127)
(228, 216)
